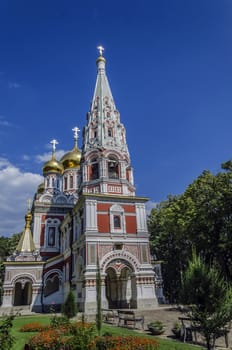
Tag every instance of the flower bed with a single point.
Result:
(70, 336)
(33, 327)
(124, 343)
(82, 336)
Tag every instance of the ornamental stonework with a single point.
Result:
(133, 249)
(104, 249)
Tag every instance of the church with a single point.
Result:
(86, 212)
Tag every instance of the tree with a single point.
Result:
(201, 218)
(69, 308)
(209, 297)
(6, 339)
(7, 247)
(98, 292)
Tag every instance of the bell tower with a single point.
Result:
(106, 164)
(109, 220)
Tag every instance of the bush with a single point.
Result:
(46, 340)
(69, 308)
(6, 339)
(70, 336)
(57, 321)
(156, 327)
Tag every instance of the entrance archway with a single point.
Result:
(120, 286)
(22, 293)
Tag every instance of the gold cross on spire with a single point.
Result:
(29, 204)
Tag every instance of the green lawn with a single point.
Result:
(21, 338)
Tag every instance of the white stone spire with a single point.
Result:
(104, 128)
(105, 165)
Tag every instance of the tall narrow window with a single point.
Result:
(113, 169)
(51, 236)
(71, 181)
(65, 183)
(94, 172)
(117, 221)
(110, 132)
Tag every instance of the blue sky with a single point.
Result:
(169, 67)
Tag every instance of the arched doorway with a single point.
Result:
(120, 286)
(22, 293)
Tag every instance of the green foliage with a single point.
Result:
(23, 338)
(69, 308)
(98, 292)
(209, 297)
(7, 247)
(6, 338)
(57, 321)
(73, 336)
(201, 218)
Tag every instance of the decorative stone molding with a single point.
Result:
(121, 255)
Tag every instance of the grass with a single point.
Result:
(22, 338)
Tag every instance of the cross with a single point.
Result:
(29, 204)
(101, 49)
(76, 130)
(54, 143)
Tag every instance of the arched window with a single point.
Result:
(51, 236)
(94, 171)
(52, 228)
(110, 132)
(117, 221)
(113, 171)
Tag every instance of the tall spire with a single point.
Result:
(104, 129)
(26, 243)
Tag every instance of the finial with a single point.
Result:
(54, 143)
(76, 130)
(101, 49)
(29, 204)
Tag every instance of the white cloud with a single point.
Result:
(13, 85)
(150, 205)
(41, 158)
(16, 188)
(26, 157)
(3, 121)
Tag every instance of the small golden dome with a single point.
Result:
(53, 166)
(71, 159)
(100, 58)
(28, 218)
(40, 188)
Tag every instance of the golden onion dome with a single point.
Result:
(40, 188)
(71, 159)
(53, 166)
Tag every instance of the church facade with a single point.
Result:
(86, 213)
